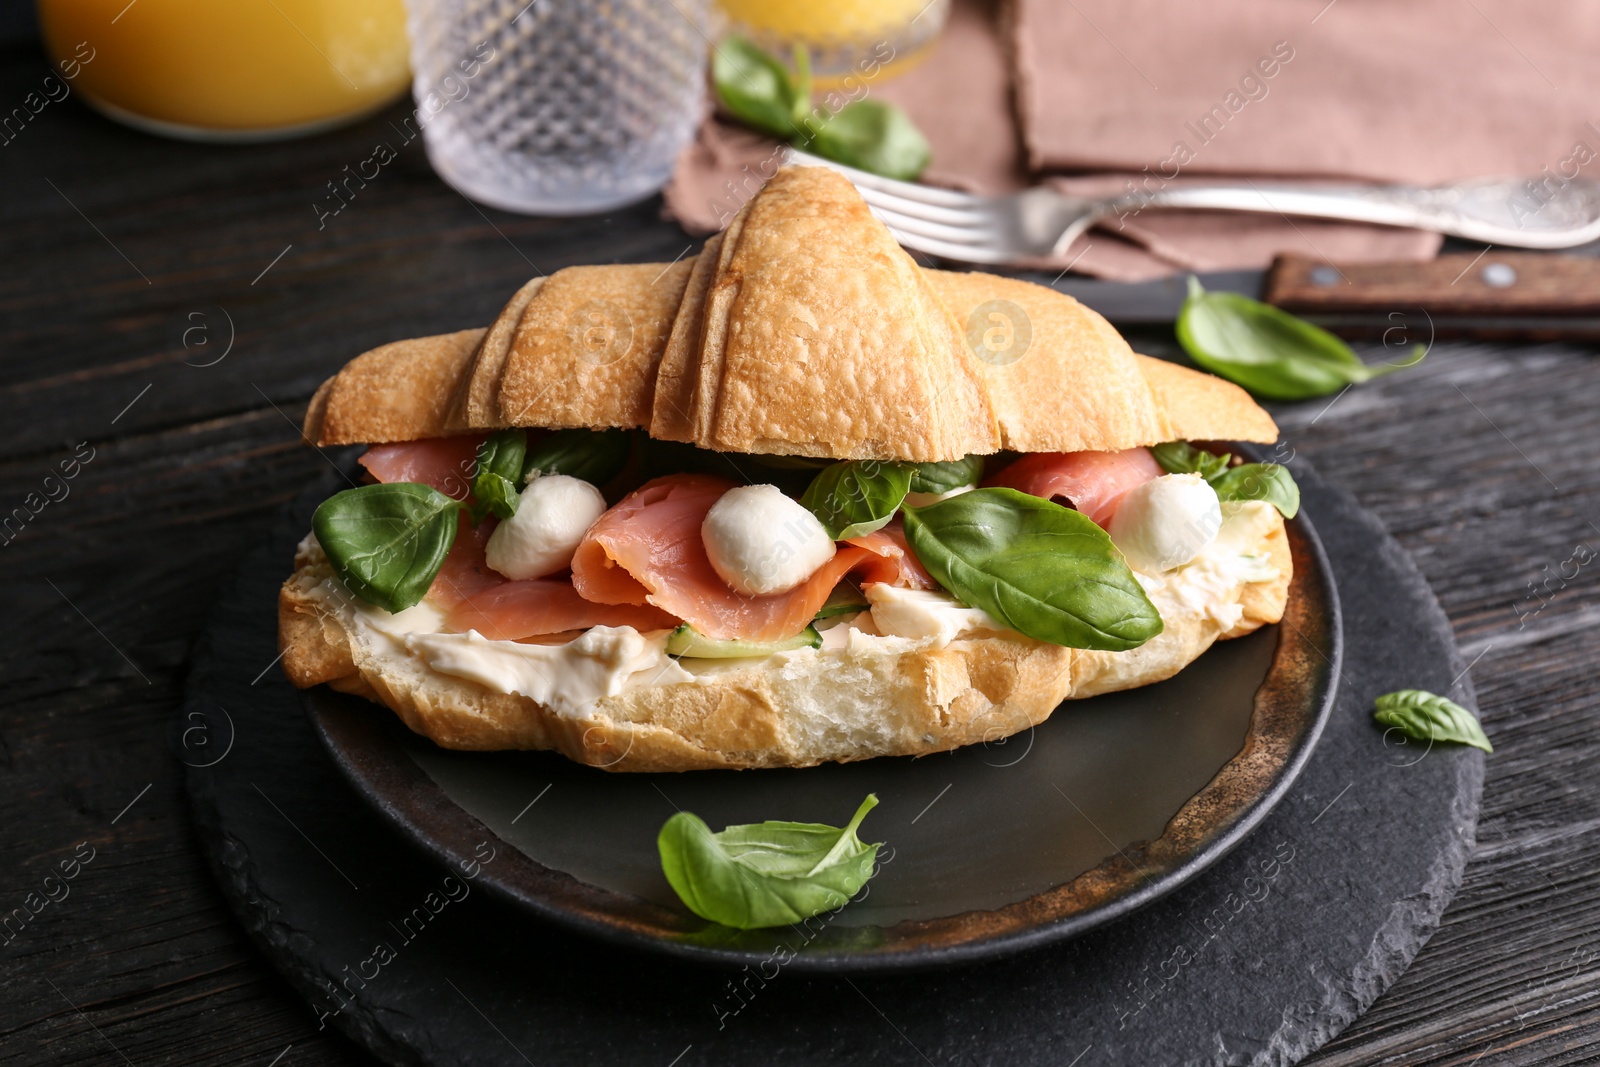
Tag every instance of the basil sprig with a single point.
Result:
(1425, 716)
(765, 874)
(387, 542)
(1044, 570)
(1269, 351)
(756, 88)
(498, 476)
(593, 455)
(876, 137)
(857, 497)
(506, 462)
(869, 135)
(1180, 457)
(1271, 482)
(943, 477)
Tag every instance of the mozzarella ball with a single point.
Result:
(761, 542)
(1166, 522)
(553, 513)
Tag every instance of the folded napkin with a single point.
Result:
(1093, 95)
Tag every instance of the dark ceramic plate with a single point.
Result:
(1109, 804)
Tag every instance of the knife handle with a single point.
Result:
(1492, 284)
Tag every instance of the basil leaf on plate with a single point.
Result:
(498, 475)
(593, 455)
(386, 542)
(857, 497)
(1424, 716)
(756, 89)
(1044, 570)
(943, 477)
(873, 136)
(1269, 351)
(765, 874)
(1180, 457)
(1271, 482)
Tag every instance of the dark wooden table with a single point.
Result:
(131, 263)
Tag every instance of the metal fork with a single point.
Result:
(1041, 222)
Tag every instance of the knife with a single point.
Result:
(1484, 294)
(1493, 294)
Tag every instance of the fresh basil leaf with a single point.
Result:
(1044, 570)
(1271, 482)
(765, 874)
(755, 88)
(1180, 457)
(858, 496)
(1269, 351)
(498, 475)
(593, 455)
(873, 136)
(1424, 716)
(943, 477)
(386, 542)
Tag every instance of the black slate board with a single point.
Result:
(1263, 959)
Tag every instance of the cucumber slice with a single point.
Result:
(844, 600)
(687, 641)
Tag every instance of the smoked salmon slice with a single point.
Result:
(446, 463)
(465, 572)
(647, 550)
(1092, 482)
(892, 560)
(474, 597)
(511, 611)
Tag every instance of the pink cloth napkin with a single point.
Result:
(1093, 94)
(1420, 91)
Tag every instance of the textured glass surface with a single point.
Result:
(557, 106)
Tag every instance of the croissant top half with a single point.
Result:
(804, 329)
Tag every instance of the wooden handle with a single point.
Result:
(1493, 284)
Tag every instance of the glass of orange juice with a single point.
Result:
(231, 70)
(845, 38)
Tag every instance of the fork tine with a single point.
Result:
(945, 250)
(925, 194)
(938, 231)
(940, 222)
(977, 212)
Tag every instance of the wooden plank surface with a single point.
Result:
(1480, 461)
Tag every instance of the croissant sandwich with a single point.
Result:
(792, 500)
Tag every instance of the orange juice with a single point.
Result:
(231, 69)
(860, 38)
